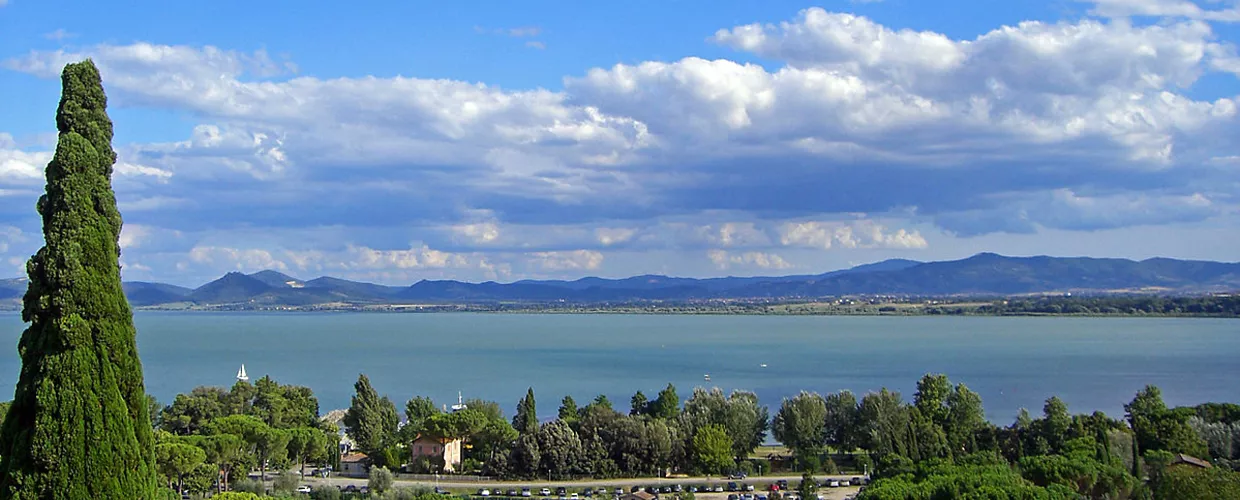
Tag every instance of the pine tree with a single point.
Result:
(526, 419)
(78, 427)
(371, 421)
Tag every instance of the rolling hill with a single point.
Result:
(985, 274)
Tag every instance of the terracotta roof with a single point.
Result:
(353, 457)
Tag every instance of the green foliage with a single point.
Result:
(667, 405)
(712, 450)
(371, 420)
(560, 449)
(639, 405)
(285, 483)
(808, 489)
(1158, 428)
(1182, 482)
(800, 425)
(236, 495)
(740, 414)
(568, 410)
(380, 479)
(248, 485)
(80, 391)
(526, 419)
(962, 482)
(325, 493)
(843, 423)
(175, 460)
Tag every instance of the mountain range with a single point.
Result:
(985, 274)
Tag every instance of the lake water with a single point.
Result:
(1091, 363)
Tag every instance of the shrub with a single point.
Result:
(381, 480)
(325, 493)
(234, 495)
(247, 485)
(285, 483)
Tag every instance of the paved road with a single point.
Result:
(626, 483)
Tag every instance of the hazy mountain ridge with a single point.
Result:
(982, 274)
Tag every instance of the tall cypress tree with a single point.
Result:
(371, 421)
(526, 419)
(78, 427)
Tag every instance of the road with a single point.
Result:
(759, 483)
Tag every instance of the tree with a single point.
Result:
(226, 451)
(1055, 423)
(667, 405)
(843, 421)
(808, 489)
(80, 394)
(306, 444)
(526, 419)
(800, 425)
(568, 410)
(712, 450)
(175, 460)
(931, 397)
(371, 420)
(380, 480)
(560, 449)
(965, 416)
(638, 405)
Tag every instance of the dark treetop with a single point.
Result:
(79, 426)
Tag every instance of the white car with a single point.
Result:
(484, 493)
(305, 488)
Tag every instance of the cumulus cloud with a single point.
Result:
(857, 234)
(574, 260)
(1082, 124)
(725, 260)
(239, 259)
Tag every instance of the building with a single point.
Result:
(1189, 460)
(449, 452)
(354, 464)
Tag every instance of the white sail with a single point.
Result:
(241, 374)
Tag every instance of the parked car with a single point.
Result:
(693, 489)
(305, 488)
(561, 491)
(783, 484)
(525, 492)
(762, 497)
(717, 489)
(737, 475)
(619, 491)
(665, 489)
(772, 487)
(856, 481)
(574, 496)
(484, 492)
(734, 496)
(733, 487)
(544, 492)
(601, 491)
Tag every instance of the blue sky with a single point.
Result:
(506, 140)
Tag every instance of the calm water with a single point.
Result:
(1092, 363)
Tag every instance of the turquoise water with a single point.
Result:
(1092, 363)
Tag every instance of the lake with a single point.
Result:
(1091, 363)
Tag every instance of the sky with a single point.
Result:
(503, 140)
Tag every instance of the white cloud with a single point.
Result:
(18, 167)
(608, 236)
(574, 260)
(59, 35)
(857, 234)
(535, 44)
(730, 234)
(240, 259)
(1162, 8)
(132, 235)
(414, 257)
(10, 235)
(479, 232)
(724, 260)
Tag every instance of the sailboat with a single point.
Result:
(241, 374)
